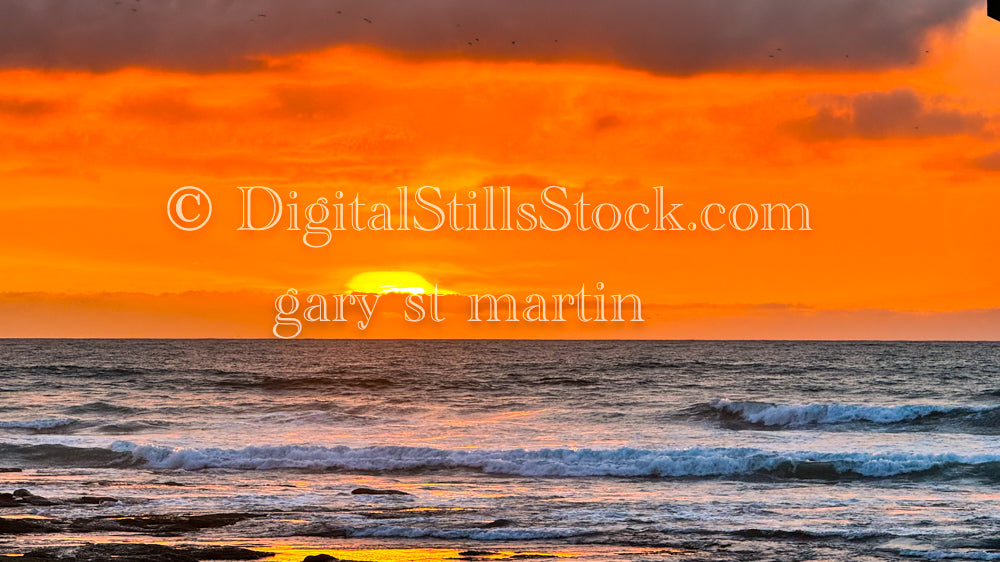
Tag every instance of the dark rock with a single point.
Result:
(39, 501)
(23, 497)
(211, 520)
(324, 558)
(376, 492)
(226, 553)
(11, 469)
(124, 552)
(25, 526)
(497, 524)
(92, 500)
(121, 552)
(161, 524)
(472, 553)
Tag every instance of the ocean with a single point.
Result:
(594, 450)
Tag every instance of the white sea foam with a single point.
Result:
(625, 462)
(950, 554)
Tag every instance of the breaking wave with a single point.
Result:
(625, 462)
(796, 416)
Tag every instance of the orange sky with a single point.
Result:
(904, 240)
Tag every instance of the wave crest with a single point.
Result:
(47, 425)
(625, 462)
(771, 415)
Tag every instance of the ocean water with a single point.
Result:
(601, 450)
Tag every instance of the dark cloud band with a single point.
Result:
(663, 36)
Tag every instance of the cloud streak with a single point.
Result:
(678, 37)
(898, 113)
(989, 161)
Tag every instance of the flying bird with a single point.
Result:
(367, 20)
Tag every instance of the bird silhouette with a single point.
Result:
(367, 20)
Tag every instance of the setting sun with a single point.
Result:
(389, 282)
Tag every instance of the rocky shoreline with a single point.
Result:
(127, 552)
(142, 552)
(166, 526)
